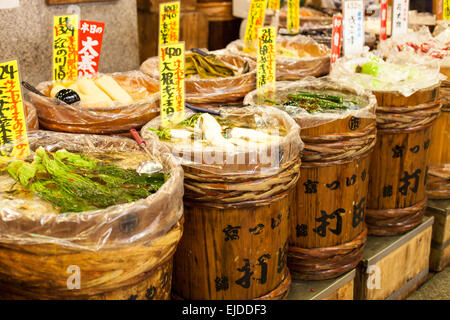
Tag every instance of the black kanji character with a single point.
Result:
(231, 233)
(426, 145)
(244, 282)
(415, 149)
(334, 185)
(404, 188)
(387, 191)
(221, 283)
(257, 230)
(354, 123)
(364, 175)
(358, 213)
(282, 257)
(275, 222)
(311, 186)
(150, 293)
(322, 229)
(351, 181)
(398, 152)
(262, 262)
(301, 230)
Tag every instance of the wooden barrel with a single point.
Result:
(396, 200)
(123, 252)
(438, 180)
(327, 230)
(112, 120)
(235, 241)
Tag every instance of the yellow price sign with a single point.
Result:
(169, 22)
(65, 47)
(255, 20)
(171, 66)
(293, 16)
(274, 5)
(13, 128)
(266, 61)
(446, 9)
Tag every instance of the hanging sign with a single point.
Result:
(169, 22)
(13, 128)
(336, 40)
(171, 66)
(293, 16)
(273, 5)
(400, 9)
(90, 36)
(383, 18)
(65, 47)
(266, 62)
(444, 10)
(255, 20)
(353, 23)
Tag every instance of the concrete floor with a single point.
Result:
(437, 287)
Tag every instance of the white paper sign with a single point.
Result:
(9, 4)
(353, 35)
(400, 11)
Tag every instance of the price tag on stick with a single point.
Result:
(13, 128)
(353, 23)
(273, 5)
(171, 66)
(336, 39)
(65, 47)
(255, 20)
(293, 16)
(90, 36)
(400, 17)
(266, 61)
(383, 19)
(444, 10)
(169, 22)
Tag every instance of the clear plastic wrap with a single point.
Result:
(384, 76)
(418, 47)
(58, 116)
(228, 89)
(313, 59)
(118, 226)
(248, 159)
(31, 116)
(308, 120)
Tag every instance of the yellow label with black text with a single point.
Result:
(171, 66)
(13, 128)
(274, 5)
(446, 9)
(255, 20)
(293, 16)
(266, 60)
(169, 22)
(65, 47)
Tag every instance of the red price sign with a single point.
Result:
(336, 39)
(90, 36)
(383, 17)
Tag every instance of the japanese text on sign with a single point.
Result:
(274, 5)
(353, 27)
(65, 47)
(336, 39)
(90, 44)
(169, 22)
(171, 66)
(400, 17)
(255, 20)
(13, 129)
(293, 16)
(266, 59)
(445, 9)
(383, 18)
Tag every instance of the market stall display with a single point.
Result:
(408, 105)
(214, 78)
(327, 229)
(239, 168)
(297, 57)
(78, 203)
(422, 48)
(107, 104)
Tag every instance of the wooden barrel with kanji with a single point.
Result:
(327, 229)
(235, 240)
(397, 189)
(438, 180)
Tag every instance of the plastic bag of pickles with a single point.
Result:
(316, 101)
(84, 192)
(370, 72)
(236, 141)
(212, 77)
(297, 57)
(105, 104)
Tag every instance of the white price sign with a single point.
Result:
(400, 11)
(9, 4)
(353, 24)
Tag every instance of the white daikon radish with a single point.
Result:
(113, 90)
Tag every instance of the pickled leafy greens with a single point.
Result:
(75, 183)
